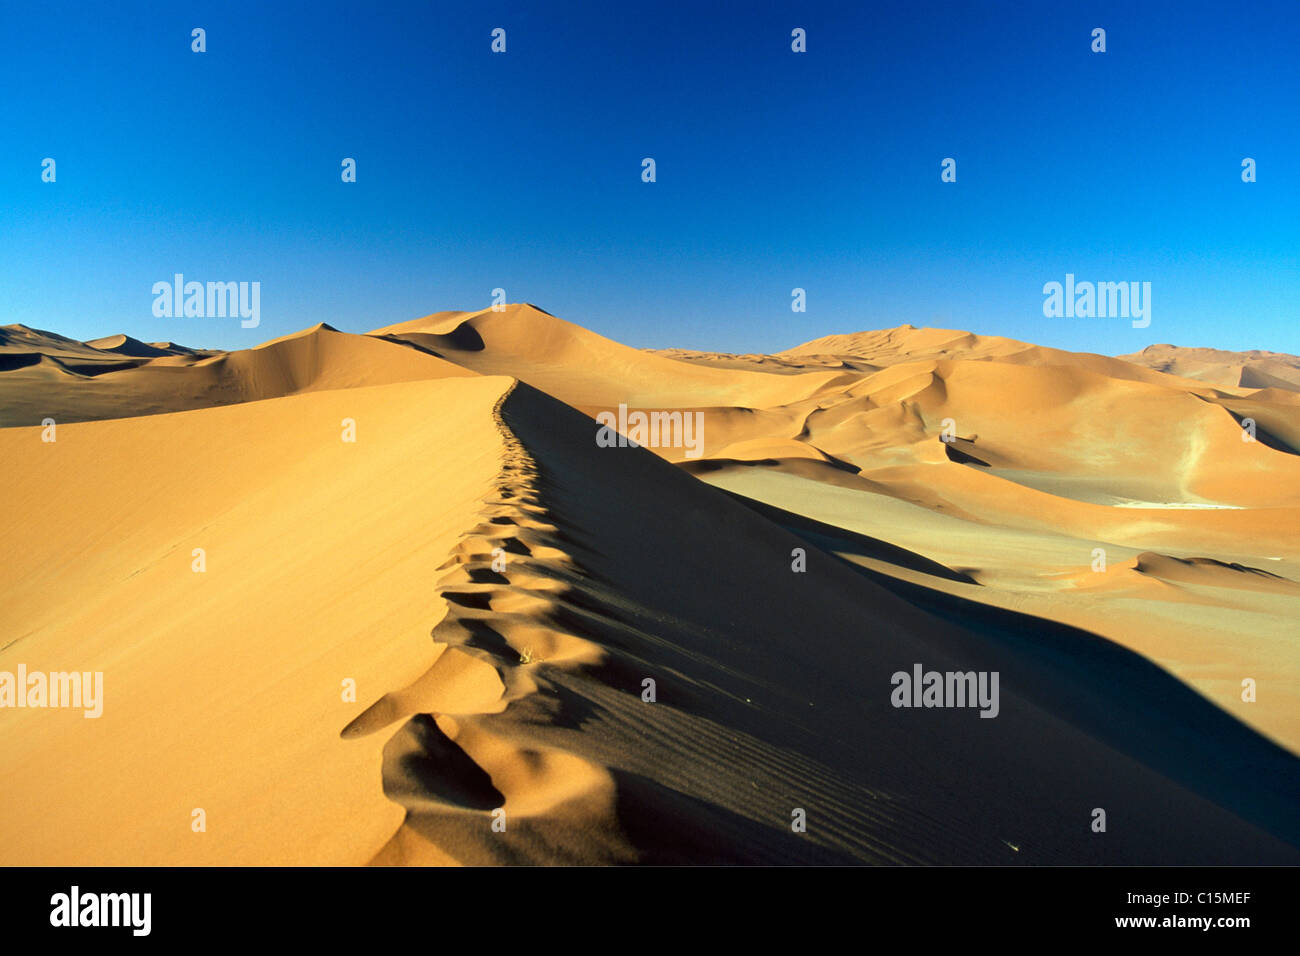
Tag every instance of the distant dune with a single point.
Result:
(125, 345)
(70, 388)
(570, 653)
(1246, 369)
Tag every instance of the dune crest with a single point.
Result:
(400, 575)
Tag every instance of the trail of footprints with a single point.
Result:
(445, 761)
(468, 748)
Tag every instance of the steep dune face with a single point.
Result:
(646, 720)
(1053, 480)
(1054, 458)
(316, 359)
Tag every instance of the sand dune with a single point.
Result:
(501, 588)
(19, 339)
(586, 369)
(223, 688)
(1254, 369)
(316, 359)
(882, 348)
(1212, 572)
(125, 345)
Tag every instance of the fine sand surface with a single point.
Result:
(507, 596)
(223, 688)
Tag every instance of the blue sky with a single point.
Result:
(775, 170)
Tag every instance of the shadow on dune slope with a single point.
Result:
(1107, 690)
(773, 697)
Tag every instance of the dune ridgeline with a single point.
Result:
(909, 596)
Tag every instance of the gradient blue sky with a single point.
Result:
(775, 170)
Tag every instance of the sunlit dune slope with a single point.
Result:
(223, 689)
